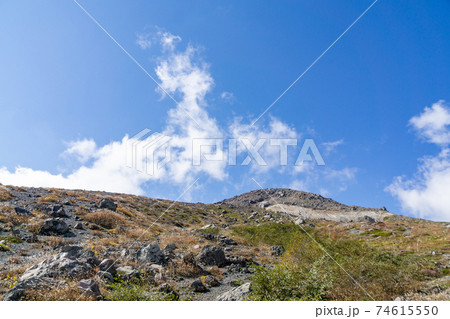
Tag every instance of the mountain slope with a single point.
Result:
(55, 244)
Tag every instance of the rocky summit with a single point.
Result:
(270, 244)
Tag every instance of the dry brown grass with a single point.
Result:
(125, 211)
(215, 271)
(34, 225)
(68, 292)
(49, 199)
(5, 194)
(106, 219)
(10, 217)
(132, 234)
(181, 268)
(183, 240)
(54, 241)
(14, 260)
(81, 211)
(83, 199)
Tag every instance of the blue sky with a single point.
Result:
(64, 82)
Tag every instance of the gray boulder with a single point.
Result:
(72, 262)
(64, 264)
(126, 273)
(54, 226)
(224, 241)
(211, 281)
(277, 250)
(19, 290)
(107, 203)
(58, 211)
(104, 277)
(22, 211)
(236, 294)
(212, 256)
(108, 265)
(198, 286)
(368, 219)
(151, 254)
(89, 287)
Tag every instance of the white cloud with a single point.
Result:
(144, 41)
(183, 75)
(345, 174)
(168, 40)
(107, 173)
(180, 73)
(82, 150)
(227, 97)
(427, 194)
(331, 146)
(277, 131)
(432, 124)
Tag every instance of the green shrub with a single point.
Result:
(209, 230)
(270, 233)
(137, 291)
(291, 282)
(377, 233)
(11, 239)
(306, 272)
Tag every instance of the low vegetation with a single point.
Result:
(105, 218)
(312, 267)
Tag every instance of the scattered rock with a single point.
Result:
(72, 262)
(236, 294)
(209, 236)
(156, 268)
(167, 289)
(126, 273)
(78, 226)
(107, 203)
(54, 226)
(19, 290)
(160, 277)
(368, 219)
(170, 247)
(253, 215)
(198, 286)
(108, 265)
(277, 250)
(212, 256)
(211, 281)
(151, 254)
(22, 211)
(263, 204)
(89, 287)
(189, 258)
(58, 212)
(210, 226)
(224, 241)
(105, 277)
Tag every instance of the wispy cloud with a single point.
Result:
(427, 194)
(227, 97)
(168, 40)
(181, 73)
(331, 146)
(144, 41)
